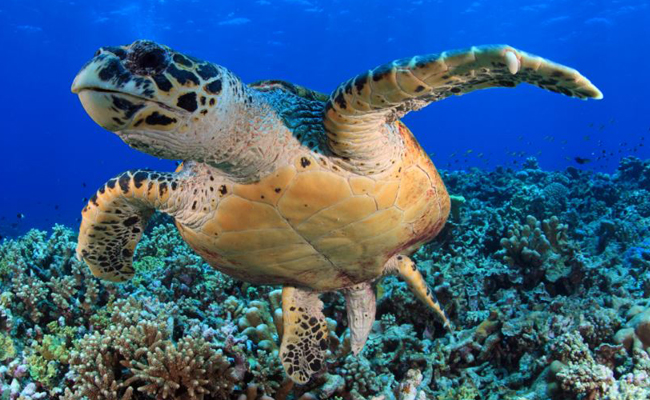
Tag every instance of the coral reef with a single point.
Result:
(545, 276)
(541, 250)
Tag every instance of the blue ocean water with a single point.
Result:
(55, 156)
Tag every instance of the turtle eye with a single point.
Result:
(151, 60)
(147, 58)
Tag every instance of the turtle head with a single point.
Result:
(157, 100)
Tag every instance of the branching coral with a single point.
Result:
(46, 278)
(189, 369)
(359, 375)
(136, 353)
(541, 249)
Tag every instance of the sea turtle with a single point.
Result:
(283, 185)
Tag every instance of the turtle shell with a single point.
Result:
(315, 225)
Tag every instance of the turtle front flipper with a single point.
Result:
(115, 218)
(357, 111)
(407, 270)
(305, 336)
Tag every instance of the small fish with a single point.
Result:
(84, 200)
(1, 237)
(56, 206)
(20, 215)
(83, 184)
(581, 160)
(585, 138)
(470, 151)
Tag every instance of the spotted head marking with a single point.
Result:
(153, 97)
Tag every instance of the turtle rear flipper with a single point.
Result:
(406, 269)
(115, 218)
(361, 307)
(305, 334)
(357, 111)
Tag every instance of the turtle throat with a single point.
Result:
(243, 136)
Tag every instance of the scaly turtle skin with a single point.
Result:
(281, 184)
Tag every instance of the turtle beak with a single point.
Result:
(110, 93)
(105, 71)
(110, 110)
(83, 80)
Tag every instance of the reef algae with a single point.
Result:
(548, 299)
